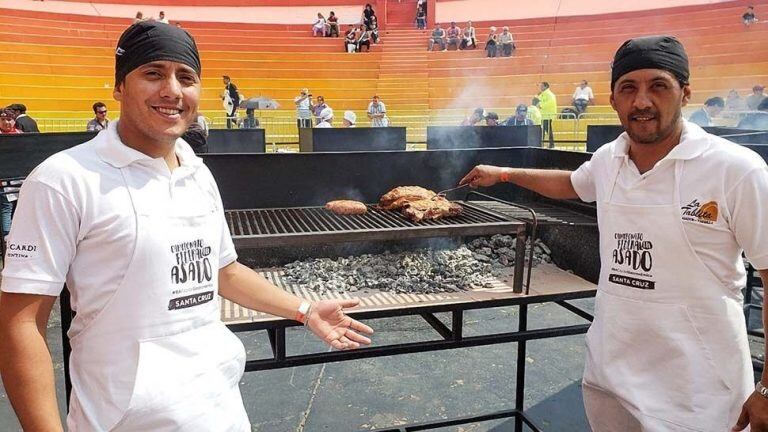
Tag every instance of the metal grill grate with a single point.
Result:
(546, 214)
(305, 225)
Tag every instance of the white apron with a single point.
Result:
(157, 357)
(668, 348)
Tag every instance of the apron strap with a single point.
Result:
(616, 169)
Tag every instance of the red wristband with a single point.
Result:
(505, 176)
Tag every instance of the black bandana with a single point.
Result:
(651, 52)
(149, 41)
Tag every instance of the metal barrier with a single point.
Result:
(62, 124)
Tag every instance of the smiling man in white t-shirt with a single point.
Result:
(133, 222)
(676, 206)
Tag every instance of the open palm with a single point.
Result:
(329, 322)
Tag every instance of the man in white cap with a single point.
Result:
(326, 117)
(349, 119)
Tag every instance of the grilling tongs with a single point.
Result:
(442, 193)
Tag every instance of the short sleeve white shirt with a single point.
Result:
(714, 169)
(75, 222)
(583, 93)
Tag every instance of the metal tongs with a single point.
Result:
(443, 192)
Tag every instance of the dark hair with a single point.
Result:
(21, 108)
(332, 13)
(226, 77)
(545, 84)
(98, 105)
(7, 112)
(535, 100)
(715, 101)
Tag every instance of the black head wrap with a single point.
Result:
(651, 52)
(149, 41)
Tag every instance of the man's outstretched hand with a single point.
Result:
(482, 175)
(329, 322)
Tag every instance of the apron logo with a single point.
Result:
(192, 262)
(703, 213)
(190, 300)
(633, 252)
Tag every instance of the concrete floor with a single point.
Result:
(375, 393)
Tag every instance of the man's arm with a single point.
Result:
(555, 184)
(25, 362)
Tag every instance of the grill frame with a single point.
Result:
(299, 226)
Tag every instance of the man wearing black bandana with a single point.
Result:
(668, 349)
(133, 222)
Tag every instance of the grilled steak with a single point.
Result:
(398, 197)
(346, 207)
(430, 209)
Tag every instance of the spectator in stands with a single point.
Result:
(520, 118)
(734, 102)
(231, 98)
(453, 35)
(333, 25)
(319, 26)
(582, 97)
(368, 15)
(469, 37)
(139, 17)
(196, 135)
(491, 45)
(364, 39)
(437, 37)
(534, 111)
(421, 18)
(100, 121)
(491, 119)
(350, 39)
(24, 122)
(749, 16)
(161, 18)
(477, 115)
(758, 120)
(548, 106)
(374, 31)
(350, 118)
(303, 109)
(757, 96)
(711, 108)
(507, 42)
(318, 108)
(377, 112)
(326, 117)
(8, 122)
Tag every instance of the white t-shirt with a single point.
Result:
(75, 222)
(714, 169)
(583, 93)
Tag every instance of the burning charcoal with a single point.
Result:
(481, 258)
(484, 251)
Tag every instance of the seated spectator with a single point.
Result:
(437, 37)
(8, 122)
(374, 31)
(534, 111)
(161, 18)
(711, 108)
(468, 37)
(453, 35)
(350, 118)
(491, 119)
(421, 18)
(368, 15)
(492, 42)
(318, 108)
(758, 120)
(350, 39)
(318, 27)
(582, 97)
(326, 117)
(520, 118)
(139, 17)
(363, 39)
(477, 115)
(99, 122)
(24, 122)
(507, 42)
(749, 16)
(333, 25)
(753, 100)
(734, 102)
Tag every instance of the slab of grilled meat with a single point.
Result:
(398, 197)
(430, 209)
(346, 207)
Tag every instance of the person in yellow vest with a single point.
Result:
(548, 106)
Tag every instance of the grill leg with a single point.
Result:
(517, 284)
(520, 372)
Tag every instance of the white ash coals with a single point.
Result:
(423, 271)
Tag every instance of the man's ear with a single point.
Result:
(686, 95)
(613, 103)
(117, 92)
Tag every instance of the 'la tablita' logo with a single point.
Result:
(706, 213)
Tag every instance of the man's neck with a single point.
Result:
(155, 150)
(646, 156)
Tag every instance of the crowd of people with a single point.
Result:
(359, 35)
(733, 106)
(496, 45)
(307, 109)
